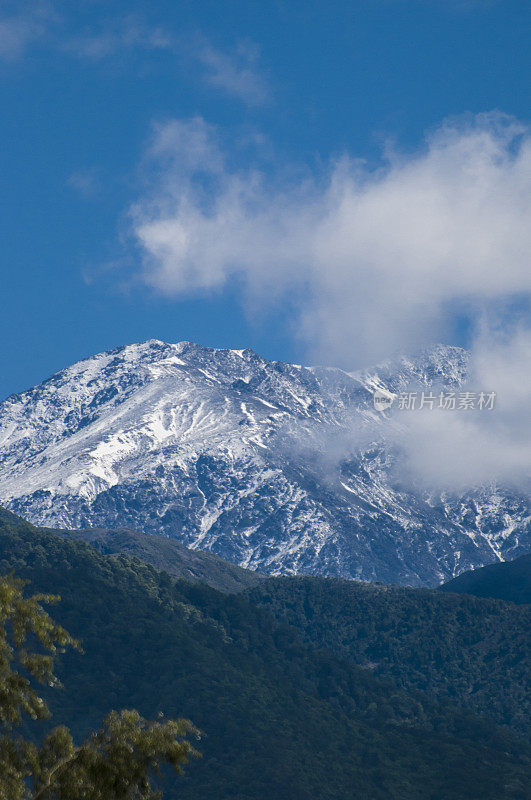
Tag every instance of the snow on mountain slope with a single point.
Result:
(228, 452)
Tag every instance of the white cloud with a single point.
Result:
(374, 261)
(440, 450)
(378, 258)
(458, 450)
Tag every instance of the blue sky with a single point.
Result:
(128, 126)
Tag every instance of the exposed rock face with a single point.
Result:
(228, 452)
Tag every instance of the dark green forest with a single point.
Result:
(195, 566)
(286, 711)
(472, 651)
(510, 580)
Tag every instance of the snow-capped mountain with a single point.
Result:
(273, 466)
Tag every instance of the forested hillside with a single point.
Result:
(509, 580)
(280, 718)
(196, 566)
(473, 651)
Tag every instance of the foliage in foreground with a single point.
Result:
(115, 763)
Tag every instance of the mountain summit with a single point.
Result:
(273, 466)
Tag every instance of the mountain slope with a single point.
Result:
(509, 581)
(473, 651)
(227, 452)
(170, 556)
(281, 718)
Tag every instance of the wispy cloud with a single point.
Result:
(85, 182)
(115, 36)
(237, 73)
(19, 30)
(234, 70)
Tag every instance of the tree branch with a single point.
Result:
(48, 785)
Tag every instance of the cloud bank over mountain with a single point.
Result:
(372, 260)
(458, 450)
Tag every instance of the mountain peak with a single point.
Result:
(438, 363)
(265, 463)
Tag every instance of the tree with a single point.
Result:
(117, 762)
